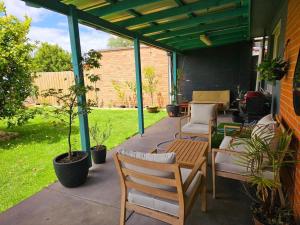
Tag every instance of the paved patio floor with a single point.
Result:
(97, 201)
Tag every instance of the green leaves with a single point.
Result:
(151, 81)
(272, 70)
(51, 58)
(16, 77)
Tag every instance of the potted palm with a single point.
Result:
(272, 70)
(72, 167)
(99, 136)
(150, 87)
(264, 159)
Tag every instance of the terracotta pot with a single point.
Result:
(152, 109)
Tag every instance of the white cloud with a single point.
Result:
(20, 9)
(89, 38)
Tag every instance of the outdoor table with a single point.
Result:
(187, 151)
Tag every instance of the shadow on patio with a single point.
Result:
(98, 200)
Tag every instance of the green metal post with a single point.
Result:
(139, 92)
(78, 73)
(174, 70)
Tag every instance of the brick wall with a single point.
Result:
(286, 98)
(116, 65)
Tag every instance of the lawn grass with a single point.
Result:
(26, 162)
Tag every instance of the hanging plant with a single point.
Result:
(272, 70)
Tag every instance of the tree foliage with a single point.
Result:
(118, 42)
(51, 58)
(150, 85)
(15, 65)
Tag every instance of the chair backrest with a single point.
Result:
(202, 113)
(143, 182)
(214, 96)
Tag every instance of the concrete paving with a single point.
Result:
(97, 201)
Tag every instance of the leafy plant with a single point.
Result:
(100, 135)
(16, 80)
(69, 100)
(264, 158)
(120, 91)
(132, 88)
(91, 60)
(51, 58)
(151, 82)
(272, 70)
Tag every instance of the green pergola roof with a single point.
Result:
(174, 25)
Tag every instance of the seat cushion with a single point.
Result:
(161, 204)
(167, 158)
(230, 163)
(265, 128)
(202, 113)
(195, 128)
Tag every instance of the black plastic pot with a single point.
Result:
(173, 110)
(99, 154)
(72, 174)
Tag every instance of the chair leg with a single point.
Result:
(213, 174)
(181, 221)
(203, 198)
(123, 210)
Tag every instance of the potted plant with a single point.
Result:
(264, 158)
(99, 136)
(173, 109)
(72, 168)
(272, 70)
(150, 87)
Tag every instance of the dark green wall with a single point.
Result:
(218, 68)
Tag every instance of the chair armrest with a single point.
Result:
(232, 127)
(195, 170)
(227, 151)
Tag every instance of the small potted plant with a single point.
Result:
(264, 158)
(272, 70)
(150, 87)
(72, 168)
(99, 136)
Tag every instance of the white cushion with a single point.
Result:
(202, 113)
(167, 158)
(161, 204)
(265, 128)
(195, 128)
(228, 162)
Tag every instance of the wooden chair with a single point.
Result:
(206, 124)
(225, 159)
(173, 198)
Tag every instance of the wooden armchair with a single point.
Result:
(201, 121)
(225, 159)
(160, 190)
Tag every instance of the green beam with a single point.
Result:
(213, 39)
(201, 28)
(194, 21)
(79, 78)
(213, 33)
(217, 43)
(139, 91)
(97, 23)
(119, 7)
(172, 12)
(249, 19)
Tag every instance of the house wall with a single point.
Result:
(217, 68)
(286, 96)
(116, 65)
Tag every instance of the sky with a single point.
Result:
(48, 26)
